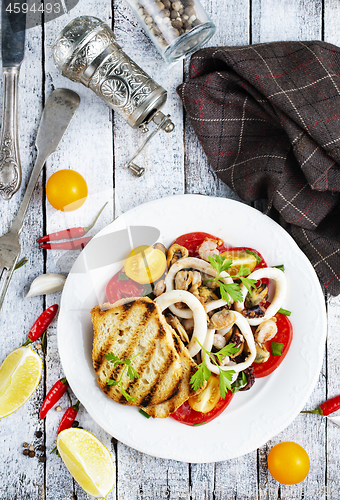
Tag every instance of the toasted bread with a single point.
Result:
(136, 327)
(189, 367)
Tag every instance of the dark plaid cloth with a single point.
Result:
(268, 118)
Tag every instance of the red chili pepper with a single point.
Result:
(69, 234)
(53, 395)
(68, 417)
(326, 408)
(44, 320)
(67, 245)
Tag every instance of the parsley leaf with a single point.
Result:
(247, 282)
(131, 372)
(109, 381)
(230, 290)
(203, 373)
(220, 263)
(281, 267)
(111, 357)
(226, 377)
(226, 351)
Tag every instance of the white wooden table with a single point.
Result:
(97, 145)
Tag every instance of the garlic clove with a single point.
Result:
(46, 283)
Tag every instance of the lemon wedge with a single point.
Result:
(20, 375)
(88, 460)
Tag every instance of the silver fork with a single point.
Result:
(59, 110)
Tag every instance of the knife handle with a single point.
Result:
(10, 169)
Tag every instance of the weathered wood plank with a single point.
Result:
(292, 21)
(21, 476)
(207, 481)
(139, 475)
(331, 35)
(86, 148)
(286, 20)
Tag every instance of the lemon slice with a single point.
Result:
(20, 375)
(88, 460)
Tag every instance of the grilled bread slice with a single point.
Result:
(129, 328)
(189, 367)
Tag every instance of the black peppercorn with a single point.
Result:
(25, 452)
(31, 454)
(38, 434)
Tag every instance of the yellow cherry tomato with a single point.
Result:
(288, 463)
(66, 190)
(207, 399)
(145, 264)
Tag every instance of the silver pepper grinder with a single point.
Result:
(86, 51)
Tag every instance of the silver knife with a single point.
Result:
(13, 27)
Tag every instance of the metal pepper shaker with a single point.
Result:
(86, 51)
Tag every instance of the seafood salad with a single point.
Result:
(226, 306)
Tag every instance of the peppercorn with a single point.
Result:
(31, 454)
(42, 459)
(25, 452)
(75, 423)
(31, 448)
(58, 408)
(25, 445)
(38, 434)
(42, 448)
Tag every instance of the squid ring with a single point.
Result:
(191, 262)
(200, 318)
(280, 292)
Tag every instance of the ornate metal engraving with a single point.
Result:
(86, 51)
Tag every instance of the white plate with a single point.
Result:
(258, 414)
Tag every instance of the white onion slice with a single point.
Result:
(280, 292)
(200, 318)
(245, 329)
(194, 263)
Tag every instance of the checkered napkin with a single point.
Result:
(268, 118)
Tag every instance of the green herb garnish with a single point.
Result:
(276, 348)
(257, 257)
(241, 381)
(203, 373)
(281, 267)
(131, 372)
(230, 290)
(285, 312)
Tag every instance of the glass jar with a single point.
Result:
(177, 27)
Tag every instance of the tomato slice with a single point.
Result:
(285, 336)
(117, 289)
(260, 265)
(193, 240)
(207, 399)
(186, 415)
(145, 264)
